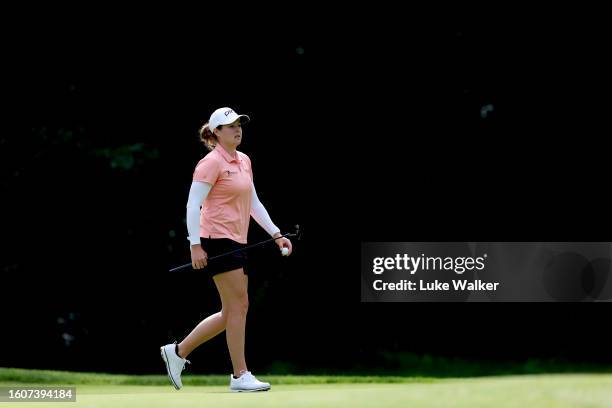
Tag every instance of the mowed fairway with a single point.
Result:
(551, 391)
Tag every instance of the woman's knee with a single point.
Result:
(237, 306)
(232, 288)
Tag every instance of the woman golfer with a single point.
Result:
(223, 186)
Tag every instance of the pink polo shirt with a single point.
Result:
(227, 208)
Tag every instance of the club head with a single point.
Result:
(298, 232)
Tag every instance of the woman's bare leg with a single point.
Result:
(232, 287)
(206, 330)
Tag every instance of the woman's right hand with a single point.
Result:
(199, 257)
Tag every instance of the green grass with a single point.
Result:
(20, 375)
(424, 365)
(550, 391)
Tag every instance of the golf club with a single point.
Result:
(297, 234)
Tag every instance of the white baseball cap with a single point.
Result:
(225, 116)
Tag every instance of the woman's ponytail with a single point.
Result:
(208, 137)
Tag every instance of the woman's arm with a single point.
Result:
(259, 214)
(197, 194)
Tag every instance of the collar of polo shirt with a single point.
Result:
(226, 155)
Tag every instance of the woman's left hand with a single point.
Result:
(284, 243)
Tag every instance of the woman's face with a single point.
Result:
(230, 134)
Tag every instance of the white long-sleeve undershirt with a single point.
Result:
(198, 193)
(259, 214)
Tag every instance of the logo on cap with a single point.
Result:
(227, 112)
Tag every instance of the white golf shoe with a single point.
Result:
(247, 383)
(174, 364)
